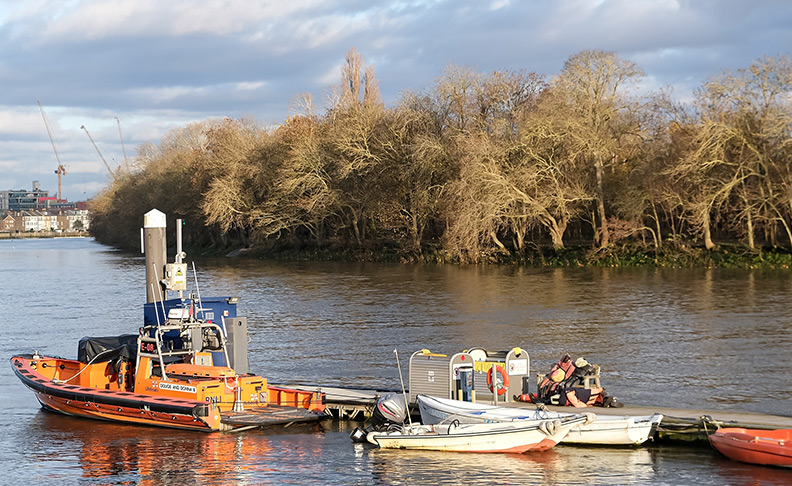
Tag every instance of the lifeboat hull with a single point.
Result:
(120, 405)
(755, 446)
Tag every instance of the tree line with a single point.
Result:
(482, 163)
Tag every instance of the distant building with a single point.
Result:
(36, 221)
(21, 199)
(62, 221)
(74, 220)
(36, 199)
(9, 223)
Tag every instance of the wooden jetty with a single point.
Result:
(690, 425)
(347, 403)
(678, 424)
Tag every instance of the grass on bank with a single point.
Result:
(676, 256)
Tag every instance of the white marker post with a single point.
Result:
(155, 249)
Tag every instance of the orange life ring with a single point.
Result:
(504, 377)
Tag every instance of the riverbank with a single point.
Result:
(670, 255)
(5, 235)
(677, 256)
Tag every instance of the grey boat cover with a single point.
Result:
(111, 347)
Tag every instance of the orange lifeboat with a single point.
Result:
(146, 379)
(755, 446)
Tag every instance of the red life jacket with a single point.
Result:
(548, 387)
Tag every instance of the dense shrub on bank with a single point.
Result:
(725, 256)
(506, 167)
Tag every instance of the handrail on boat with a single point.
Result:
(159, 331)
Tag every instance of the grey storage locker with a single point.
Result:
(439, 375)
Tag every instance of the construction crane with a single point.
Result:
(61, 170)
(99, 152)
(122, 138)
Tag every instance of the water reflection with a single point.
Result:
(561, 465)
(738, 474)
(69, 451)
(696, 338)
(108, 453)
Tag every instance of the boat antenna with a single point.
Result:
(155, 307)
(197, 289)
(404, 392)
(159, 288)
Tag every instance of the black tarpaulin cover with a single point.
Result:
(112, 347)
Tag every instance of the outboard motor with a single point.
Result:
(390, 410)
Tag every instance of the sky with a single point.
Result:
(129, 71)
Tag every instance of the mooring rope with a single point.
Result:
(55, 380)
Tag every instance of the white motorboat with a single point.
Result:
(605, 430)
(453, 436)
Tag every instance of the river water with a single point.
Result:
(698, 338)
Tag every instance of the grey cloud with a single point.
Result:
(155, 74)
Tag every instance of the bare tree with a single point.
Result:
(303, 195)
(593, 83)
(234, 191)
(353, 129)
(740, 153)
(415, 170)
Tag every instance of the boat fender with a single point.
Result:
(504, 379)
(550, 427)
(590, 417)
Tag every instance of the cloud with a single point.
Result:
(159, 65)
(72, 21)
